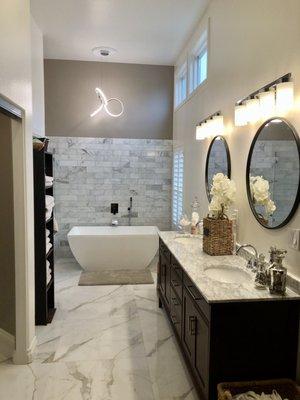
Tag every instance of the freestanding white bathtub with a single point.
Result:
(107, 248)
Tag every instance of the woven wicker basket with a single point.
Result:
(285, 387)
(217, 236)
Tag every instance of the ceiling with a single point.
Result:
(142, 31)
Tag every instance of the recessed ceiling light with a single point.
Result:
(103, 51)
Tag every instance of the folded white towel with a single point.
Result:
(48, 247)
(49, 178)
(48, 264)
(47, 232)
(49, 200)
(47, 240)
(49, 181)
(49, 278)
(49, 206)
(48, 214)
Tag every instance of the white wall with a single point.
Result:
(37, 62)
(15, 85)
(251, 44)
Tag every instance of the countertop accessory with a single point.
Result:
(217, 236)
(261, 279)
(195, 217)
(286, 388)
(278, 272)
(184, 223)
(217, 228)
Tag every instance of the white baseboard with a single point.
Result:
(31, 349)
(7, 344)
(25, 357)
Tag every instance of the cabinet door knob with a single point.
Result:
(174, 301)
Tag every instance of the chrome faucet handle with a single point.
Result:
(252, 264)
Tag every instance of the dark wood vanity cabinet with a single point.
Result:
(231, 341)
(164, 278)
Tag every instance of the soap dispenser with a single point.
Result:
(278, 272)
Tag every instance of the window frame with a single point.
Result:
(196, 55)
(177, 186)
(180, 92)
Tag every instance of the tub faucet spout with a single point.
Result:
(130, 211)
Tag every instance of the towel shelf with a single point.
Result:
(44, 292)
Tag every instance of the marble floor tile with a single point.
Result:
(104, 343)
(99, 380)
(101, 339)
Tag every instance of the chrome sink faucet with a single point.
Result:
(252, 263)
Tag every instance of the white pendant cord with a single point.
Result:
(105, 102)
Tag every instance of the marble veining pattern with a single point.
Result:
(105, 343)
(194, 261)
(92, 173)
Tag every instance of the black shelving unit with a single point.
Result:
(44, 293)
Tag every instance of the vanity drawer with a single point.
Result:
(176, 266)
(176, 283)
(196, 296)
(176, 311)
(163, 249)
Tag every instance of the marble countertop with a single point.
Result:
(194, 262)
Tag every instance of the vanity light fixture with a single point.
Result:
(240, 115)
(284, 96)
(200, 132)
(267, 103)
(211, 126)
(104, 102)
(252, 110)
(277, 95)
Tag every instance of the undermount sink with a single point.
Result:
(227, 274)
(185, 239)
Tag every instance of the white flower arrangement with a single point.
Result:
(223, 195)
(261, 195)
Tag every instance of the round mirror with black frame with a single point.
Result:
(217, 161)
(273, 173)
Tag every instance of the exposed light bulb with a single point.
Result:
(266, 103)
(252, 110)
(284, 96)
(240, 115)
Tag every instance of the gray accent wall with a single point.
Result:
(92, 173)
(146, 91)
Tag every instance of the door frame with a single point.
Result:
(25, 339)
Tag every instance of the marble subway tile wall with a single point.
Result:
(92, 173)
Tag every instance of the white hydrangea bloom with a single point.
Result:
(223, 194)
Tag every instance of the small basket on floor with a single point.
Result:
(285, 387)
